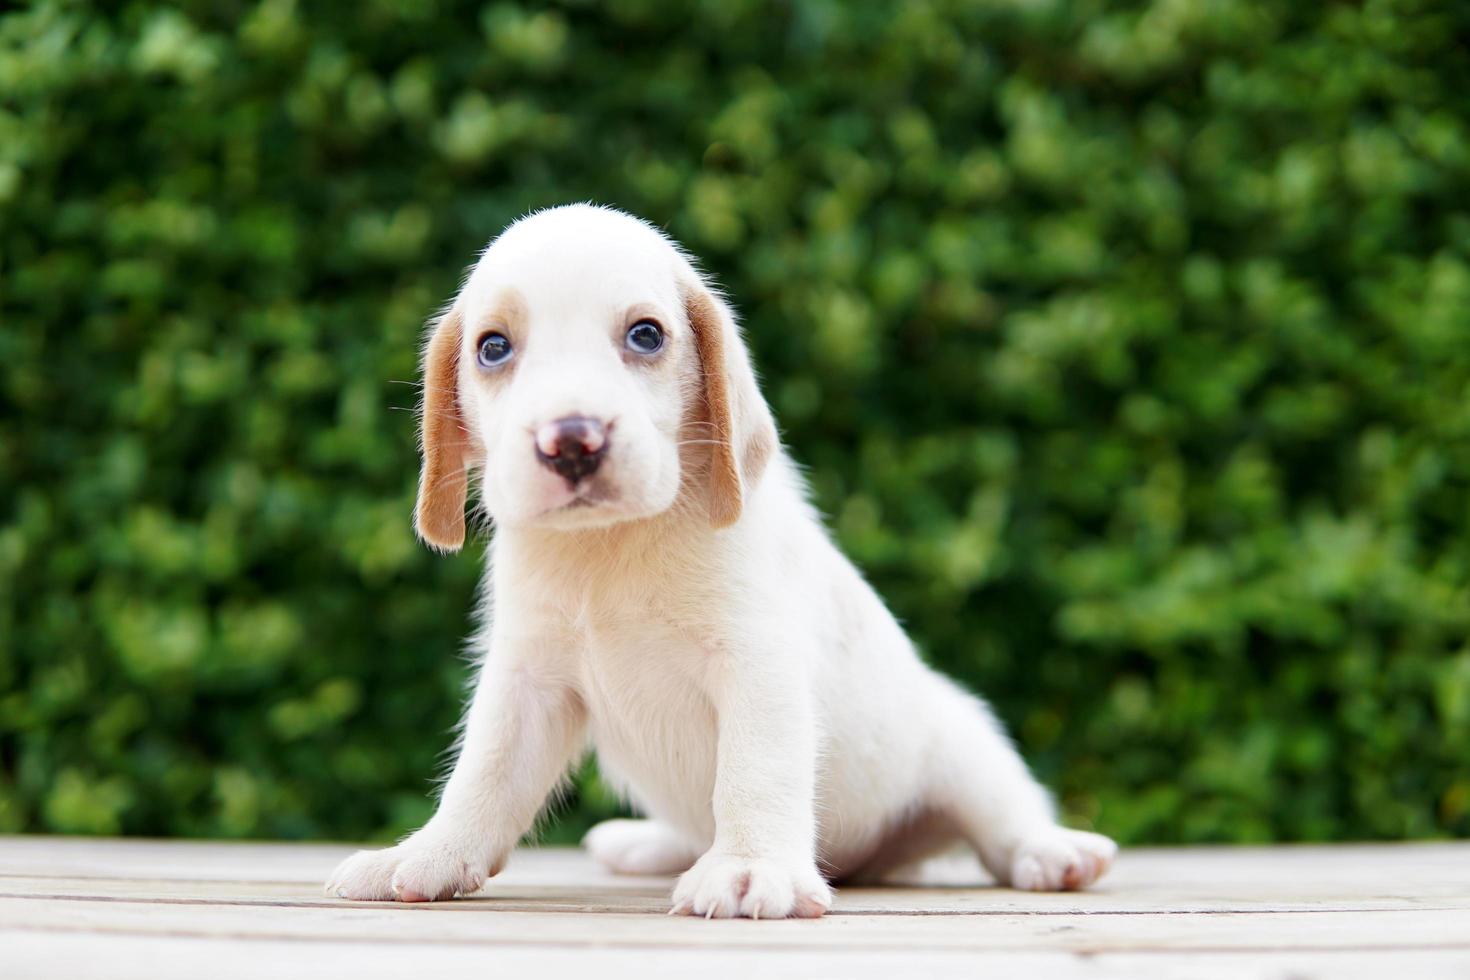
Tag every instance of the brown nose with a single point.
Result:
(573, 447)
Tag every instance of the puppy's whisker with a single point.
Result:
(421, 385)
(447, 478)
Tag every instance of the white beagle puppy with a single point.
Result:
(660, 587)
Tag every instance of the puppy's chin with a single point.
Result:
(595, 505)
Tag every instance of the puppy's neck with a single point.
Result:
(633, 568)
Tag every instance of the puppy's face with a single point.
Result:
(584, 368)
(576, 370)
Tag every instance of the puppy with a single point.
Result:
(660, 587)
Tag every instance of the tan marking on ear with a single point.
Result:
(743, 433)
(724, 486)
(444, 479)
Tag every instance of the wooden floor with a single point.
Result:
(77, 908)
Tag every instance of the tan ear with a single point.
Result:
(444, 479)
(742, 427)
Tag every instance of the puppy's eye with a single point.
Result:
(495, 350)
(645, 337)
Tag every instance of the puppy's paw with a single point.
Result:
(1058, 859)
(722, 886)
(639, 847)
(421, 869)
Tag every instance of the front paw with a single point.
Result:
(1058, 859)
(722, 886)
(421, 869)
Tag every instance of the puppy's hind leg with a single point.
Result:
(640, 847)
(1007, 816)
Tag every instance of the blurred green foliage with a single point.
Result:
(1128, 345)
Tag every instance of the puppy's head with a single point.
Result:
(593, 377)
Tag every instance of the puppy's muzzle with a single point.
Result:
(572, 447)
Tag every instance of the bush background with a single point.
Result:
(1128, 345)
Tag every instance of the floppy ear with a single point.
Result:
(444, 480)
(742, 427)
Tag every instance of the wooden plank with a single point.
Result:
(652, 895)
(100, 957)
(255, 908)
(1368, 877)
(481, 922)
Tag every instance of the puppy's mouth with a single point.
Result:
(586, 497)
(586, 507)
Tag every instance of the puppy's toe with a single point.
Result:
(414, 871)
(727, 886)
(1058, 859)
(367, 876)
(434, 875)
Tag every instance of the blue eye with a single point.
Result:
(495, 350)
(645, 337)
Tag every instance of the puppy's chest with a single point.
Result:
(642, 675)
(630, 656)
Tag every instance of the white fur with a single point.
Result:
(743, 686)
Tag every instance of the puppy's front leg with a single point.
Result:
(763, 860)
(522, 730)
